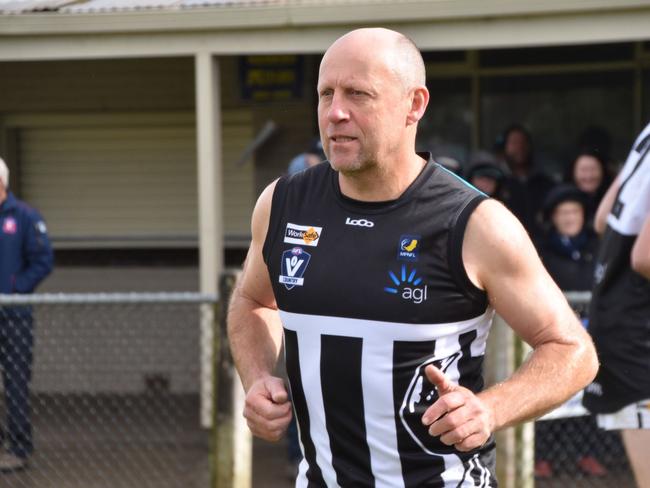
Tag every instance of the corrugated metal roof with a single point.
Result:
(20, 6)
(91, 6)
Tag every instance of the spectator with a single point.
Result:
(525, 187)
(568, 253)
(309, 158)
(569, 246)
(25, 259)
(485, 174)
(589, 172)
(620, 309)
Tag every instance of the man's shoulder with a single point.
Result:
(27, 210)
(24, 212)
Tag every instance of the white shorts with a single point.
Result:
(634, 416)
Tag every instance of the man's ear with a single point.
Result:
(419, 102)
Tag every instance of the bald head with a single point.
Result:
(396, 51)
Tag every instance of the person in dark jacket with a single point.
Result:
(568, 251)
(25, 260)
(569, 246)
(526, 187)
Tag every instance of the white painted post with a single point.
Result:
(210, 191)
(515, 445)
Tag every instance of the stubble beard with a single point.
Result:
(361, 164)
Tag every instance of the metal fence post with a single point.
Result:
(232, 444)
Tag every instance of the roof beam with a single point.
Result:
(471, 33)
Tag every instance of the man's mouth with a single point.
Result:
(340, 139)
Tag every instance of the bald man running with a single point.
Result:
(382, 272)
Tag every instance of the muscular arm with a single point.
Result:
(500, 259)
(255, 335)
(605, 207)
(641, 250)
(563, 361)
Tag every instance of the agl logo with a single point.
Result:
(407, 286)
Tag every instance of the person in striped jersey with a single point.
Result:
(381, 272)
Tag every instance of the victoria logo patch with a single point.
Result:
(294, 264)
(305, 235)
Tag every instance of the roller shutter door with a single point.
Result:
(129, 186)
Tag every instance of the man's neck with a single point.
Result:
(3, 196)
(381, 184)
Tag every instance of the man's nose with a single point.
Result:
(338, 110)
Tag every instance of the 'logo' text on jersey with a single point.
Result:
(359, 222)
(305, 235)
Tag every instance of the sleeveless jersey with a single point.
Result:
(369, 294)
(619, 317)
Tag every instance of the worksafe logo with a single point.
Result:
(294, 264)
(408, 248)
(407, 284)
(305, 235)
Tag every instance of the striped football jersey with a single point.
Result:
(369, 294)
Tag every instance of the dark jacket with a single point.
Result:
(570, 262)
(525, 198)
(25, 253)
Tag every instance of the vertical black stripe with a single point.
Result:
(340, 370)
(292, 354)
(410, 386)
(469, 368)
(471, 377)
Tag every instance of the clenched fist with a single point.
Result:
(267, 409)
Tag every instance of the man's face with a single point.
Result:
(3, 192)
(362, 107)
(588, 174)
(568, 218)
(517, 150)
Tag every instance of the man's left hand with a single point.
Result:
(459, 417)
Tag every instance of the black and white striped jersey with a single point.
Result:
(619, 316)
(370, 293)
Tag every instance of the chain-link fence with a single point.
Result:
(570, 450)
(115, 393)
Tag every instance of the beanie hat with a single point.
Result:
(560, 194)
